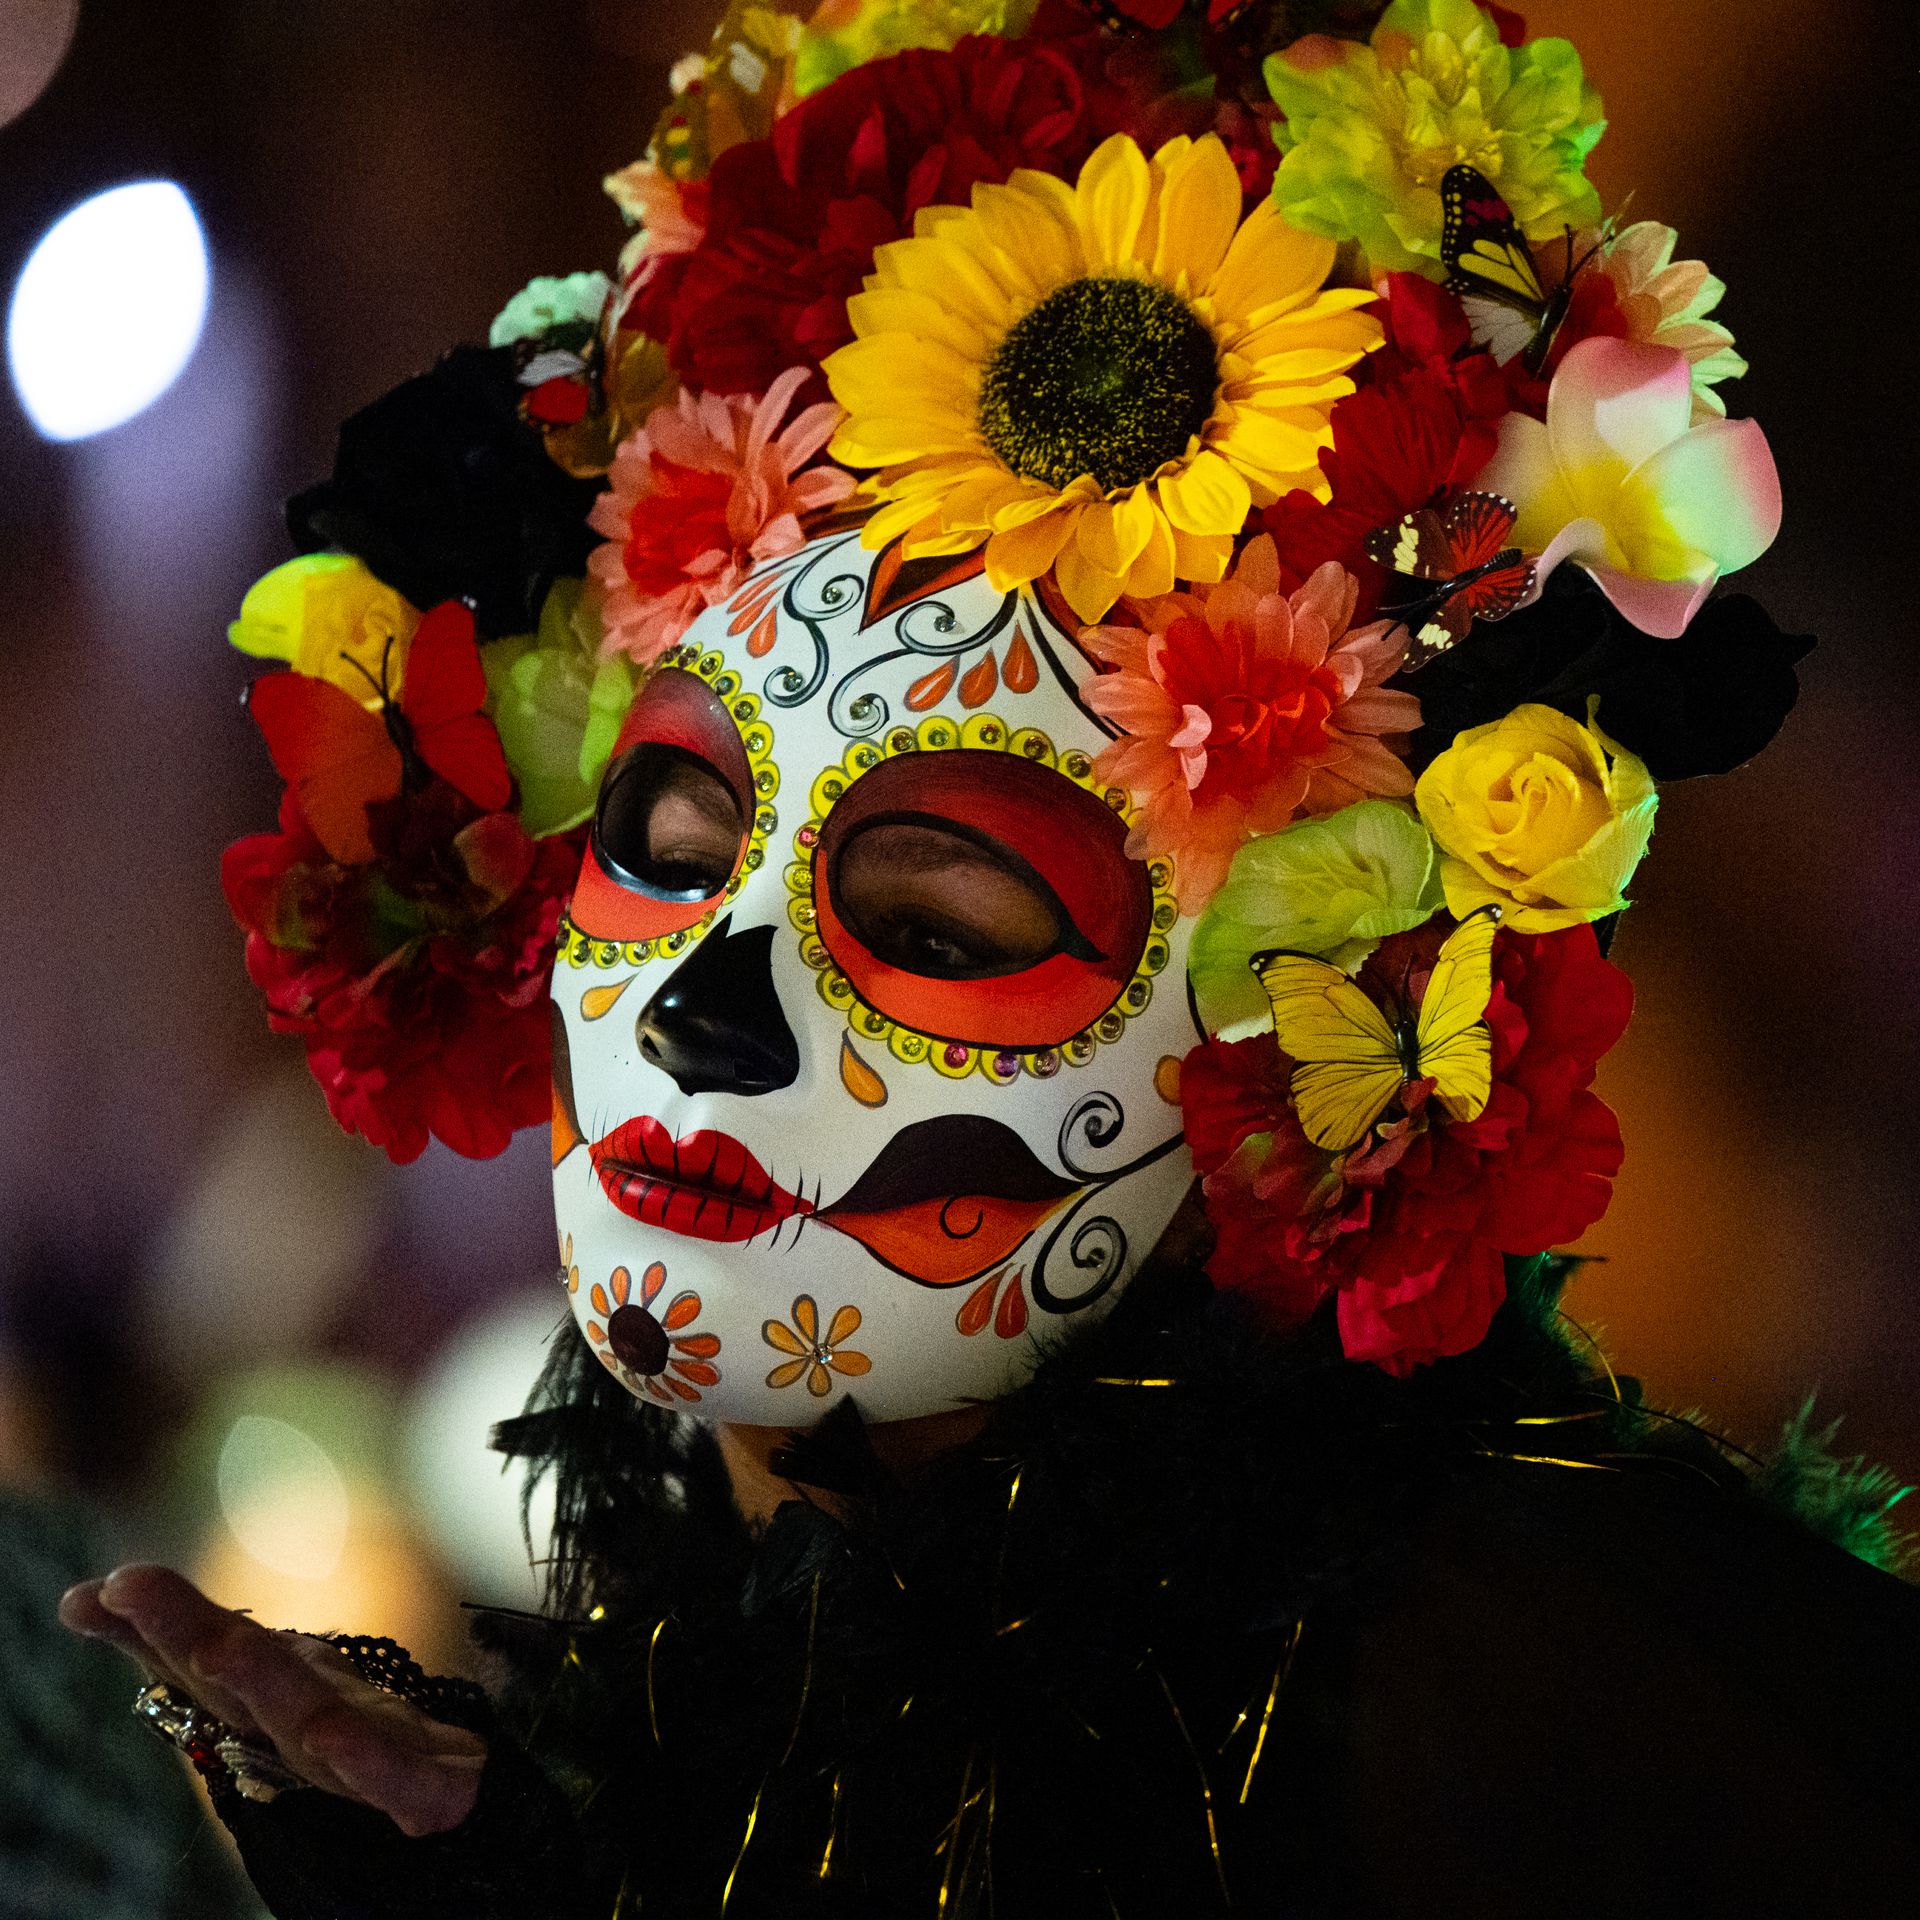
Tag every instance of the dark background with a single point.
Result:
(183, 1233)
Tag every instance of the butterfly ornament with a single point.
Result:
(1456, 566)
(341, 758)
(1491, 267)
(1353, 1059)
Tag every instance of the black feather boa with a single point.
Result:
(1080, 1666)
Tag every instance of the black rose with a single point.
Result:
(1703, 703)
(446, 494)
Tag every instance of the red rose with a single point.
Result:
(1409, 1232)
(793, 220)
(418, 983)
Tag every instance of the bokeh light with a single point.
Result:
(469, 1498)
(282, 1497)
(108, 309)
(34, 38)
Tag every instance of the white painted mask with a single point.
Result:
(867, 1027)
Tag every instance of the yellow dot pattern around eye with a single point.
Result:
(1003, 1065)
(581, 950)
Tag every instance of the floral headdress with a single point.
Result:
(1285, 349)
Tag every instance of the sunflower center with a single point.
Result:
(1107, 377)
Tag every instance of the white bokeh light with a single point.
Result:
(108, 309)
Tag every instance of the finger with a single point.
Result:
(418, 1793)
(179, 1626)
(81, 1612)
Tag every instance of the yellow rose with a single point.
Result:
(325, 614)
(1539, 816)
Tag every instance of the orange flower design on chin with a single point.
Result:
(816, 1356)
(653, 1354)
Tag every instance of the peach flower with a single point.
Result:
(1244, 708)
(708, 489)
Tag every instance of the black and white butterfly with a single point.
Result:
(1490, 266)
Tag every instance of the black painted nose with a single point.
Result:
(716, 1026)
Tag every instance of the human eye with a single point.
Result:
(669, 824)
(946, 902)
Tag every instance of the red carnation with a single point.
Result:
(419, 983)
(1409, 1231)
(793, 220)
(1427, 420)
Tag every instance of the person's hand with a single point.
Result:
(328, 1725)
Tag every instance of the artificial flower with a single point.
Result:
(1664, 302)
(734, 91)
(792, 221)
(549, 305)
(1241, 707)
(845, 34)
(1633, 289)
(558, 703)
(1704, 703)
(1636, 290)
(708, 489)
(1619, 479)
(1334, 888)
(1408, 1233)
(1424, 422)
(1100, 380)
(327, 616)
(669, 218)
(447, 494)
(419, 985)
(1371, 130)
(1539, 816)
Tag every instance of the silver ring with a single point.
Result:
(258, 1772)
(178, 1721)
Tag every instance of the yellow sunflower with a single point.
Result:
(1103, 379)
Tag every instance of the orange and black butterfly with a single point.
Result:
(1456, 567)
(341, 758)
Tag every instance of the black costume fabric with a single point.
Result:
(1207, 1622)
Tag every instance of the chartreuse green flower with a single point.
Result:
(570, 305)
(558, 707)
(845, 34)
(1371, 130)
(1333, 887)
(325, 614)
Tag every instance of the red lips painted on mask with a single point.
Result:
(705, 1185)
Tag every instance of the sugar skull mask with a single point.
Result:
(866, 1026)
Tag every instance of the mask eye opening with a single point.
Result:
(673, 773)
(1067, 937)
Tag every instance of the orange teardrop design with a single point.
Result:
(977, 1309)
(977, 687)
(763, 635)
(1022, 674)
(597, 1002)
(1011, 1321)
(748, 608)
(858, 1078)
(931, 688)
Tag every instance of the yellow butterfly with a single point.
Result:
(1351, 1060)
